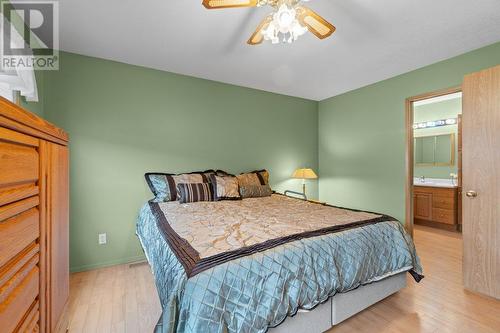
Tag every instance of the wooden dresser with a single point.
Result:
(435, 206)
(34, 265)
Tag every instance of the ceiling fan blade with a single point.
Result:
(217, 4)
(257, 36)
(315, 23)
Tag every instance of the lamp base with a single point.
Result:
(303, 194)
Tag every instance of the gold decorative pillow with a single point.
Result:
(259, 177)
(225, 187)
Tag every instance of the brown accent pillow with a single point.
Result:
(255, 191)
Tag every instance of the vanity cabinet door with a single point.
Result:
(423, 206)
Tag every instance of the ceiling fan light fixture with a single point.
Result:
(284, 24)
(288, 21)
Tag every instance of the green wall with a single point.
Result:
(126, 120)
(362, 134)
(436, 111)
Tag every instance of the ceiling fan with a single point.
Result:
(288, 21)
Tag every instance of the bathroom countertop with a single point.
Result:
(435, 182)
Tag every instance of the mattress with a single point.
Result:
(244, 266)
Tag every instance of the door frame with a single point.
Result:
(409, 148)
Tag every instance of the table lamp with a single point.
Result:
(304, 174)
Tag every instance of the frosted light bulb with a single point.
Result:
(284, 26)
(285, 18)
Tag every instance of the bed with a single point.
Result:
(249, 265)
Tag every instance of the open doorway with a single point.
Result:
(433, 157)
(477, 181)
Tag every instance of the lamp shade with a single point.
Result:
(304, 174)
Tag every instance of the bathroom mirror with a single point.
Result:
(435, 150)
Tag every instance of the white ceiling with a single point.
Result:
(374, 40)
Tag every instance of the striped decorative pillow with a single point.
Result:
(193, 192)
(164, 185)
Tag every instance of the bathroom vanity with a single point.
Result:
(435, 203)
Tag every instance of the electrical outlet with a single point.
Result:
(102, 239)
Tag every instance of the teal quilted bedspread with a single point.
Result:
(253, 293)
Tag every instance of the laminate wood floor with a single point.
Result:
(124, 299)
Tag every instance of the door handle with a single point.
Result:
(471, 194)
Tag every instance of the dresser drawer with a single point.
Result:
(17, 296)
(443, 216)
(10, 194)
(17, 233)
(29, 254)
(11, 210)
(443, 202)
(18, 163)
(31, 320)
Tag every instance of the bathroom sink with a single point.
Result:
(434, 182)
